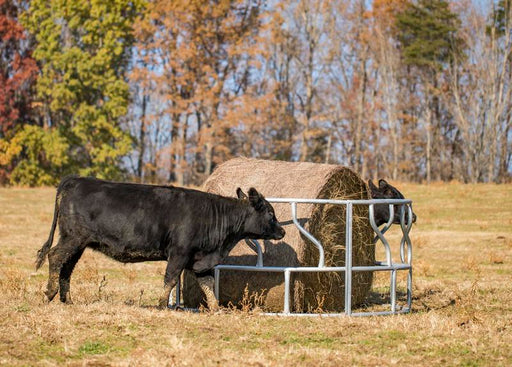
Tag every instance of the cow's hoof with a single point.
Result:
(50, 295)
(66, 299)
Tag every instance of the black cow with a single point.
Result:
(187, 228)
(381, 211)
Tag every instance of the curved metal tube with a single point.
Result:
(317, 243)
(380, 234)
(406, 228)
(259, 262)
(389, 222)
(406, 240)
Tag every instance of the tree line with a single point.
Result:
(163, 91)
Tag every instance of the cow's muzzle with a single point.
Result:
(279, 233)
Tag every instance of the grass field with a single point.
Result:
(462, 306)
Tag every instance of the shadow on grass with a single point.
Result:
(428, 299)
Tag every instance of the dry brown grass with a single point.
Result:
(462, 300)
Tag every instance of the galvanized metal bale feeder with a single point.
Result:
(319, 223)
(350, 269)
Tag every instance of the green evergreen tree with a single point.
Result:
(501, 17)
(427, 33)
(83, 48)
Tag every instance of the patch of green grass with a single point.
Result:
(93, 347)
(24, 307)
(50, 351)
(393, 335)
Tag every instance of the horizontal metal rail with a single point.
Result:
(313, 269)
(354, 314)
(339, 202)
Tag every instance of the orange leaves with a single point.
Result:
(384, 12)
(196, 55)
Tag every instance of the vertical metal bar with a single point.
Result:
(216, 276)
(348, 260)
(178, 291)
(286, 292)
(409, 289)
(393, 291)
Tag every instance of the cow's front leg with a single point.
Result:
(175, 266)
(206, 283)
(202, 267)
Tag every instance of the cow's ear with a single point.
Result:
(372, 186)
(386, 188)
(240, 194)
(256, 199)
(383, 184)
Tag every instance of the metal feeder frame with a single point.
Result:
(405, 263)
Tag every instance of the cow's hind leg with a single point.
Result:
(65, 275)
(175, 266)
(57, 257)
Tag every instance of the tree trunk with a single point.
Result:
(428, 120)
(208, 157)
(174, 145)
(504, 155)
(142, 138)
(492, 157)
(360, 117)
(328, 149)
(181, 152)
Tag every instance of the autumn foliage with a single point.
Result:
(18, 72)
(163, 91)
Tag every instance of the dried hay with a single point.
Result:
(309, 291)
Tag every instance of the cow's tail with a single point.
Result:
(41, 254)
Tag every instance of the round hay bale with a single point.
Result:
(309, 291)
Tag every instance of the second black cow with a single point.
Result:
(130, 223)
(386, 191)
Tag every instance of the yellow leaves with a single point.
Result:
(8, 150)
(37, 152)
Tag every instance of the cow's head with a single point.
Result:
(261, 222)
(381, 211)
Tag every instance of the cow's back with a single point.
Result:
(136, 222)
(120, 219)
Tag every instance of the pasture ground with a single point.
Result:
(462, 307)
